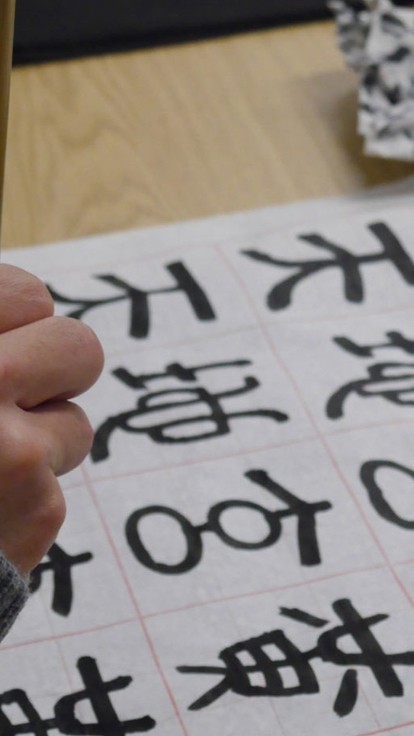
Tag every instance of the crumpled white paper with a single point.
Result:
(378, 42)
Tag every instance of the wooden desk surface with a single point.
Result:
(161, 135)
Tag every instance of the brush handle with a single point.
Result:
(7, 14)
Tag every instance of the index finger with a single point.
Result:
(23, 298)
(54, 358)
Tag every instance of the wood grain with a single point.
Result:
(161, 135)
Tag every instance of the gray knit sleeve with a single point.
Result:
(14, 592)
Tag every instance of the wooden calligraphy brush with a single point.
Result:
(7, 14)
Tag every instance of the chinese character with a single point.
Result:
(66, 721)
(376, 495)
(139, 299)
(395, 340)
(340, 259)
(272, 654)
(394, 382)
(60, 564)
(211, 421)
(304, 512)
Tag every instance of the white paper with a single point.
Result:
(237, 556)
(378, 42)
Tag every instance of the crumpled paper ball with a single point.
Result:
(377, 40)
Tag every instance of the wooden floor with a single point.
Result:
(179, 132)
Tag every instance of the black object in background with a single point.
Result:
(58, 29)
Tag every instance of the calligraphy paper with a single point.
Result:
(238, 551)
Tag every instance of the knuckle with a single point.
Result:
(7, 376)
(29, 454)
(49, 515)
(43, 522)
(24, 450)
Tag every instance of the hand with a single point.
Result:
(44, 362)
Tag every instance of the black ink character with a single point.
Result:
(66, 721)
(304, 512)
(60, 563)
(340, 259)
(139, 299)
(395, 340)
(394, 382)
(211, 421)
(272, 653)
(376, 495)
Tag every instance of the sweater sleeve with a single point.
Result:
(14, 591)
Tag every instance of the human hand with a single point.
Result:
(44, 362)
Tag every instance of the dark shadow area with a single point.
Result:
(58, 29)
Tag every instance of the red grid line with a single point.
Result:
(65, 666)
(323, 441)
(187, 341)
(297, 320)
(244, 453)
(190, 463)
(365, 311)
(140, 617)
(387, 730)
(368, 704)
(190, 606)
(319, 434)
(266, 591)
(403, 563)
(353, 496)
(73, 487)
(371, 530)
(65, 635)
(396, 421)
